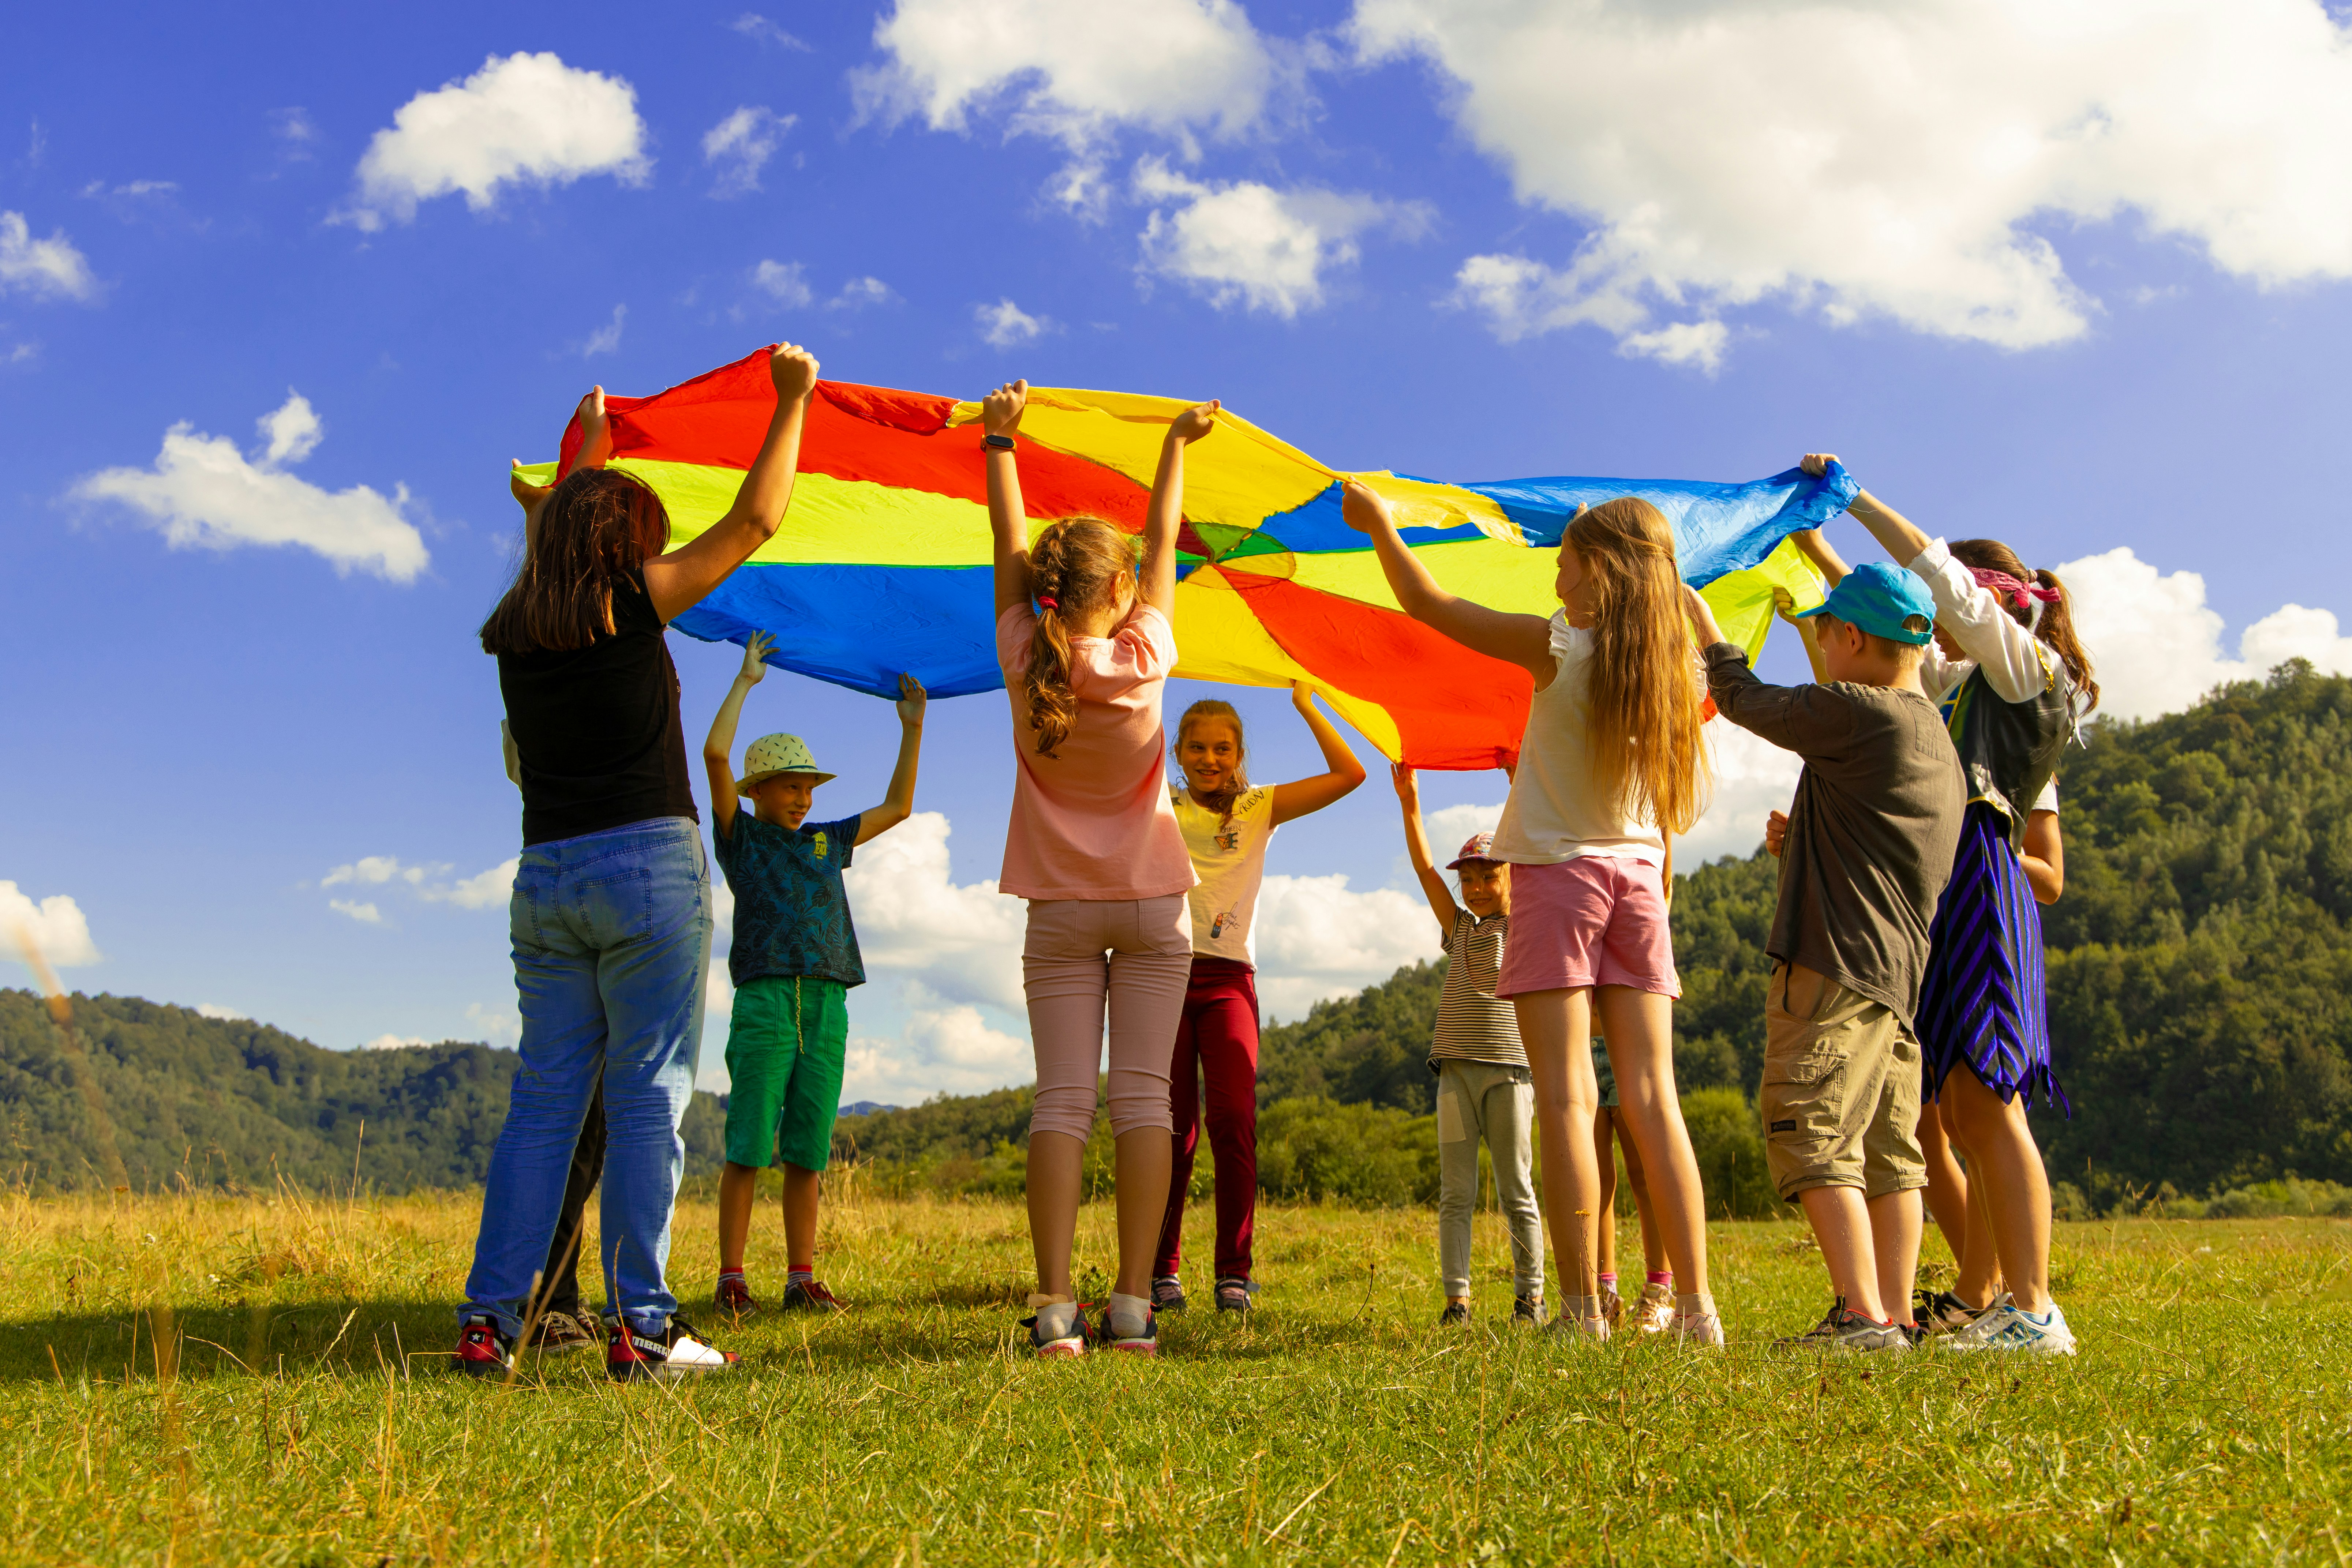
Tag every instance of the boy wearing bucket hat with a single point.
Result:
(1868, 848)
(793, 960)
(1484, 1090)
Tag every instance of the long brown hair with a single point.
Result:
(2056, 627)
(1236, 782)
(1073, 566)
(1643, 697)
(598, 525)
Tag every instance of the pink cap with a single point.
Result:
(1476, 847)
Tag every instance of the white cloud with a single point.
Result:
(297, 132)
(365, 914)
(1318, 937)
(860, 292)
(1753, 779)
(1886, 160)
(785, 282)
(525, 119)
(758, 29)
(56, 925)
(479, 891)
(1005, 325)
(498, 1026)
(741, 145)
(204, 491)
(945, 1048)
(606, 338)
(1073, 70)
(215, 1010)
(393, 1043)
(964, 941)
(1250, 243)
(374, 871)
(1696, 343)
(2156, 647)
(42, 268)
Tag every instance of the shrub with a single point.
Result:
(1359, 1156)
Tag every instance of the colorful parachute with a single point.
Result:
(883, 561)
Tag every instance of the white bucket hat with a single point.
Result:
(773, 754)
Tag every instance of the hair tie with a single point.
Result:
(1047, 602)
(2020, 594)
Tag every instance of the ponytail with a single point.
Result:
(1072, 567)
(2056, 626)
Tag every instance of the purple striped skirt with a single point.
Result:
(1982, 1001)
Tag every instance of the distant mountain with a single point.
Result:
(229, 1102)
(865, 1107)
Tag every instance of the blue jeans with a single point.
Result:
(611, 946)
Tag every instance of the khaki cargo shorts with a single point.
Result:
(1841, 1095)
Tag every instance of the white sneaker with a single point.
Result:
(2007, 1326)
(1567, 1327)
(632, 1356)
(1655, 1312)
(1699, 1328)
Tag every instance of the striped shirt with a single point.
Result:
(1472, 1026)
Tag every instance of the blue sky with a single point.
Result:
(2082, 292)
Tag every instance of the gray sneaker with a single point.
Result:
(1845, 1329)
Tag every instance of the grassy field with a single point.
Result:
(207, 1379)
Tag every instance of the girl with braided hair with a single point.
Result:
(1087, 643)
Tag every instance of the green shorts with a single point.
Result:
(1604, 1076)
(785, 1046)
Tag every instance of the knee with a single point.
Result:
(1133, 1112)
(1069, 1112)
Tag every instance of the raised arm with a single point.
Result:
(999, 415)
(679, 579)
(899, 803)
(1521, 640)
(1808, 629)
(1416, 848)
(1166, 513)
(1902, 538)
(1342, 774)
(718, 750)
(1816, 547)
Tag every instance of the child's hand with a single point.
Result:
(1302, 696)
(1776, 832)
(911, 701)
(1817, 463)
(1408, 788)
(755, 656)
(529, 497)
(794, 369)
(1363, 508)
(596, 433)
(999, 411)
(1194, 422)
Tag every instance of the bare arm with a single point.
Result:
(718, 750)
(899, 803)
(513, 755)
(1416, 848)
(1008, 524)
(1890, 527)
(1166, 512)
(1303, 796)
(1808, 629)
(1521, 640)
(679, 579)
(1816, 547)
(2044, 857)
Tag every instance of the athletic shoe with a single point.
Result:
(1612, 1306)
(1654, 1312)
(633, 1355)
(1566, 1327)
(483, 1349)
(1071, 1340)
(733, 1297)
(1233, 1293)
(1845, 1329)
(1704, 1329)
(563, 1331)
(1167, 1294)
(811, 1296)
(1526, 1311)
(2007, 1326)
(1144, 1341)
(1941, 1312)
(1455, 1315)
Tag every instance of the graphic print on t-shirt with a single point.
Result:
(1228, 853)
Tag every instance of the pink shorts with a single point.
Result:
(1597, 920)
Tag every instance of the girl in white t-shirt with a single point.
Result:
(1226, 825)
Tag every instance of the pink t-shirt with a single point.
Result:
(1093, 820)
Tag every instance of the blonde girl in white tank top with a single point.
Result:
(1611, 765)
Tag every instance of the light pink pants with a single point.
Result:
(1137, 953)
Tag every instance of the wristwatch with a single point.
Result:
(997, 442)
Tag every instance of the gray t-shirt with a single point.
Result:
(1871, 832)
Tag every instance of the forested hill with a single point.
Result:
(232, 1102)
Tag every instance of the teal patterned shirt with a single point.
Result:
(791, 914)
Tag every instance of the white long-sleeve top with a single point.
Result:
(2016, 663)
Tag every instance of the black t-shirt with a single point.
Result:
(597, 728)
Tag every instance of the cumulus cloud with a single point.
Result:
(366, 913)
(525, 119)
(427, 882)
(785, 282)
(43, 268)
(54, 925)
(2157, 647)
(499, 1026)
(481, 890)
(1889, 162)
(739, 146)
(1319, 937)
(1753, 779)
(215, 1010)
(393, 1043)
(1248, 244)
(962, 940)
(947, 1048)
(203, 491)
(374, 871)
(1005, 325)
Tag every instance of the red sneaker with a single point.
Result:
(733, 1297)
(636, 1356)
(812, 1296)
(483, 1350)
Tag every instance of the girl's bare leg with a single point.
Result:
(1948, 1185)
(1556, 1026)
(1144, 1156)
(1604, 1159)
(2005, 1162)
(1056, 1161)
(1653, 1248)
(1639, 1028)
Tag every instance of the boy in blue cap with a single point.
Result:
(1869, 846)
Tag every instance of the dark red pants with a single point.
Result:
(1216, 1048)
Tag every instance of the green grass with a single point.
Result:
(298, 1412)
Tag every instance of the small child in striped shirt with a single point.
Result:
(1483, 1088)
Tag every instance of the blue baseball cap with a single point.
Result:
(1878, 598)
